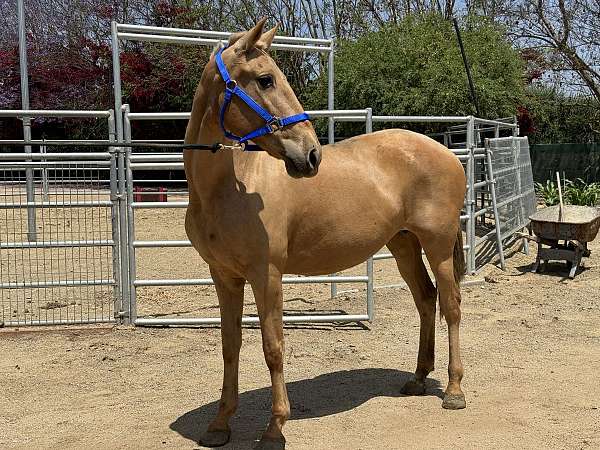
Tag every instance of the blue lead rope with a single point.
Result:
(272, 123)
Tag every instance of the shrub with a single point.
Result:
(576, 192)
(548, 192)
(579, 192)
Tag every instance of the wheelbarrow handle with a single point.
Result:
(529, 237)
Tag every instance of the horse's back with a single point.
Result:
(368, 188)
(402, 163)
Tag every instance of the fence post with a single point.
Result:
(116, 247)
(119, 236)
(370, 281)
(331, 120)
(471, 194)
(492, 185)
(29, 184)
(330, 93)
(130, 236)
(116, 53)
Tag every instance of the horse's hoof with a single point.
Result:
(270, 444)
(413, 387)
(214, 438)
(454, 401)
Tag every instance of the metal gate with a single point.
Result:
(515, 192)
(59, 245)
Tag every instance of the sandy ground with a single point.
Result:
(531, 350)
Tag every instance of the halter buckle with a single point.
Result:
(274, 125)
(231, 85)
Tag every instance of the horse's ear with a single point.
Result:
(265, 41)
(248, 40)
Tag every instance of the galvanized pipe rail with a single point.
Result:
(124, 32)
(125, 246)
(27, 114)
(469, 155)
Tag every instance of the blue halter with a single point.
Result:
(272, 123)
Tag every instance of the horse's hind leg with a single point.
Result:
(407, 251)
(439, 248)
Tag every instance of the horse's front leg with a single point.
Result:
(266, 285)
(230, 291)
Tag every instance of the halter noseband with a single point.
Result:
(273, 123)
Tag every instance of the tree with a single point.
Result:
(567, 31)
(397, 56)
(415, 68)
(549, 116)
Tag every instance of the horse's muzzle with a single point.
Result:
(303, 165)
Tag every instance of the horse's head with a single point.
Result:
(249, 65)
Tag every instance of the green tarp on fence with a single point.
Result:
(574, 160)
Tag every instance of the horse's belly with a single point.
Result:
(336, 250)
(327, 262)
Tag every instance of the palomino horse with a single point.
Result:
(251, 221)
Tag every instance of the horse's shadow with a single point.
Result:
(323, 395)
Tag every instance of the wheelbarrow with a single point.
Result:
(574, 225)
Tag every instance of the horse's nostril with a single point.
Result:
(313, 159)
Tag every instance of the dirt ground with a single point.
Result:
(530, 343)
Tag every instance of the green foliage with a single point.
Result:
(579, 192)
(415, 68)
(576, 192)
(548, 192)
(557, 118)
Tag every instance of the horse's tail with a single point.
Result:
(459, 257)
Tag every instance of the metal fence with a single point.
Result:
(144, 163)
(79, 266)
(471, 153)
(70, 273)
(70, 245)
(60, 221)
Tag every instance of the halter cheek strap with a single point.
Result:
(272, 123)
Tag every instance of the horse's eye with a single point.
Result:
(266, 81)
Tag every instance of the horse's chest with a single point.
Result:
(221, 237)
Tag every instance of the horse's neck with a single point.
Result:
(210, 171)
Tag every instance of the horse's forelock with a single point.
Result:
(235, 37)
